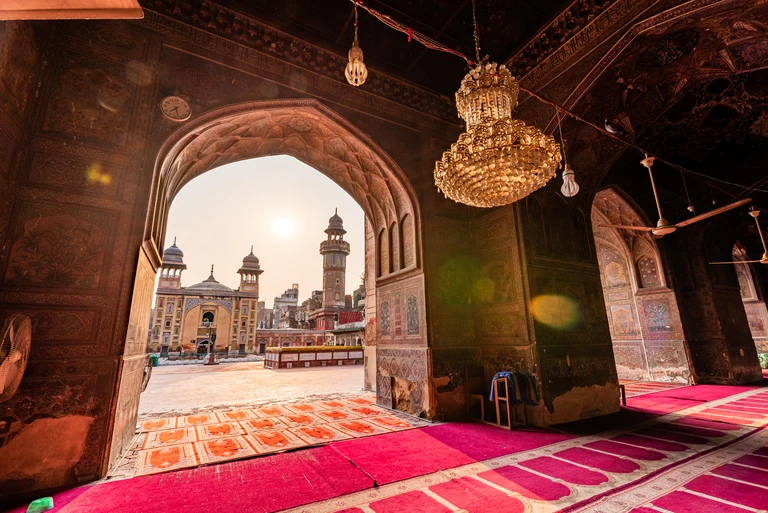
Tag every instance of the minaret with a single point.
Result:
(249, 274)
(171, 267)
(334, 250)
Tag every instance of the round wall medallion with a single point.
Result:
(175, 108)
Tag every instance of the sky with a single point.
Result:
(277, 204)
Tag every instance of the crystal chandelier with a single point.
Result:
(356, 71)
(498, 160)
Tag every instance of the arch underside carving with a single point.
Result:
(303, 129)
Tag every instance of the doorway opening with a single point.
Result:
(312, 135)
(643, 316)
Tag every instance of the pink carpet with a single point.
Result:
(257, 485)
(396, 456)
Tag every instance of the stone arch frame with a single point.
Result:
(658, 350)
(304, 129)
(316, 135)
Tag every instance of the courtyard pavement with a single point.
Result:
(189, 389)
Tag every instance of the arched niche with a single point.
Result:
(754, 305)
(646, 330)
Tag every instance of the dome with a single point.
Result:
(211, 284)
(336, 224)
(173, 254)
(251, 260)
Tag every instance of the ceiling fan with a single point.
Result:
(764, 259)
(664, 227)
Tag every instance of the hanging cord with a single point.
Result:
(431, 44)
(476, 29)
(688, 196)
(412, 34)
(562, 141)
(355, 23)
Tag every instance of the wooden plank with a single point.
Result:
(69, 9)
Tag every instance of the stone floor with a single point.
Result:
(185, 390)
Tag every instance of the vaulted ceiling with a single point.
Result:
(505, 26)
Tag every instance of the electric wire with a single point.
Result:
(435, 45)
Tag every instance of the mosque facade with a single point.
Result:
(190, 319)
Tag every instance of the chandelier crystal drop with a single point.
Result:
(356, 72)
(498, 159)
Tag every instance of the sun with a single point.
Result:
(283, 227)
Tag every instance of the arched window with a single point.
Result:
(245, 309)
(208, 318)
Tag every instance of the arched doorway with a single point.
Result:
(644, 319)
(317, 136)
(752, 297)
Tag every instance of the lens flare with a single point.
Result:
(559, 312)
(95, 176)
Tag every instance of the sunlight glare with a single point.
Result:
(283, 227)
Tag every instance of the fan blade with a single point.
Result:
(712, 213)
(628, 227)
(734, 263)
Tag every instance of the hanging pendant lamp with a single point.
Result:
(356, 72)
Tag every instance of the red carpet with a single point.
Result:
(257, 485)
(338, 474)
(396, 456)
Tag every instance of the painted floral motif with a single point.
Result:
(622, 320)
(57, 251)
(658, 316)
(614, 269)
(91, 101)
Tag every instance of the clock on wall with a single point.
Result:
(175, 108)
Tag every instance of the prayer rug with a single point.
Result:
(273, 441)
(231, 435)
(163, 459)
(223, 449)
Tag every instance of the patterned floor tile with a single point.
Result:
(234, 416)
(155, 425)
(198, 420)
(358, 427)
(336, 415)
(320, 434)
(169, 437)
(304, 407)
(163, 459)
(273, 441)
(272, 411)
(301, 420)
(210, 431)
(224, 449)
(263, 424)
(390, 422)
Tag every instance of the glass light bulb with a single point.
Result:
(570, 188)
(356, 72)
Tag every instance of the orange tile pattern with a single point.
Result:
(188, 441)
